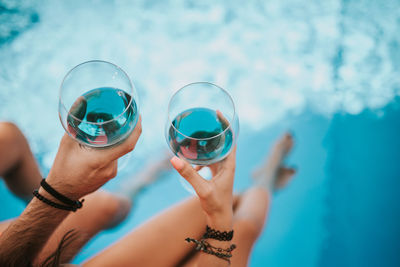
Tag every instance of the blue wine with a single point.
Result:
(200, 135)
(102, 117)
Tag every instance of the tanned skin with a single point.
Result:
(76, 172)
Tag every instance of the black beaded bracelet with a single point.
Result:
(73, 203)
(217, 235)
(51, 203)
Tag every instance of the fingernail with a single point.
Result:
(177, 163)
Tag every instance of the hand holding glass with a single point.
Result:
(97, 105)
(202, 124)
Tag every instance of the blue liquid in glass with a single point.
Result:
(205, 126)
(102, 117)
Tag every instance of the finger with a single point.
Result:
(128, 145)
(78, 109)
(190, 175)
(230, 161)
(222, 119)
(78, 112)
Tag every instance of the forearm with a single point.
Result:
(26, 236)
(222, 222)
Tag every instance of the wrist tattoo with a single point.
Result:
(217, 235)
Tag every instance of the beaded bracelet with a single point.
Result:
(206, 247)
(71, 205)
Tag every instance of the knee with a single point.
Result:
(113, 209)
(248, 228)
(13, 150)
(251, 211)
(6, 126)
(9, 132)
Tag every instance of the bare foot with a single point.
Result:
(273, 174)
(151, 173)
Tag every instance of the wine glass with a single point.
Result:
(202, 125)
(98, 104)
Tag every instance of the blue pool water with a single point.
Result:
(326, 70)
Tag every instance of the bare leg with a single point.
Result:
(250, 216)
(160, 242)
(101, 211)
(21, 174)
(17, 164)
(272, 174)
(253, 205)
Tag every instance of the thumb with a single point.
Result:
(186, 171)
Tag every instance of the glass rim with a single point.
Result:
(61, 102)
(208, 83)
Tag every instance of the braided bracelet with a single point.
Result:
(73, 203)
(51, 203)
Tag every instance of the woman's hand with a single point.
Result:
(79, 170)
(216, 194)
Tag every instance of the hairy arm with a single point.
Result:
(76, 172)
(28, 234)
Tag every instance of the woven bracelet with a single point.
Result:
(76, 204)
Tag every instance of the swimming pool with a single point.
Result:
(328, 70)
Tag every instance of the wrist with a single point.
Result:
(47, 195)
(62, 188)
(52, 197)
(37, 202)
(220, 221)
